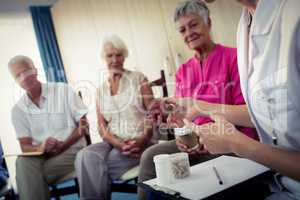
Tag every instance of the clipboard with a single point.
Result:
(233, 171)
(24, 154)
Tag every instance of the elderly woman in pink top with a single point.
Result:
(210, 75)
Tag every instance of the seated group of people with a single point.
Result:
(51, 118)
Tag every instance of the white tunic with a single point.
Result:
(269, 66)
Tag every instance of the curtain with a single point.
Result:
(47, 43)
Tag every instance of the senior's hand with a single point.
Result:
(48, 145)
(160, 109)
(188, 107)
(59, 148)
(208, 1)
(118, 143)
(135, 147)
(83, 126)
(175, 120)
(149, 122)
(51, 146)
(217, 137)
(156, 110)
(184, 148)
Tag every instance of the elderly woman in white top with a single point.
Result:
(121, 104)
(269, 65)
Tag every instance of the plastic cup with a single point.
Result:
(187, 136)
(163, 169)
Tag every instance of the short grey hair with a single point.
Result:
(20, 59)
(117, 43)
(197, 7)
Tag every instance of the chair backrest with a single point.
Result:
(167, 134)
(161, 82)
(86, 136)
(6, 189)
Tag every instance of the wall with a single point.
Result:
(22, 5)
(145, 25)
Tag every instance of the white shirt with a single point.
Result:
(124, 111)
(269, 67)
(59, 110)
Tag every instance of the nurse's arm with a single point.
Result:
(221, 137)
(236, 114)
(286, 162)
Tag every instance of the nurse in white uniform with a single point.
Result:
(268, 42)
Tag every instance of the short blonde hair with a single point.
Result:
(117, 43)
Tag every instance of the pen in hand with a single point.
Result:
(217, 175)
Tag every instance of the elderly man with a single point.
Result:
(48, 119)
(269, 67)
(210, 75)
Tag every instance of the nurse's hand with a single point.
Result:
(218, 137)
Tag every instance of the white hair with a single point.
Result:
(117, 43)
(20, 59)
(197, 7)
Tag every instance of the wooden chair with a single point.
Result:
(161, 82)
(128, 181)
(57, 190)
(122, 185)
(7, 191)
(164, 134)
